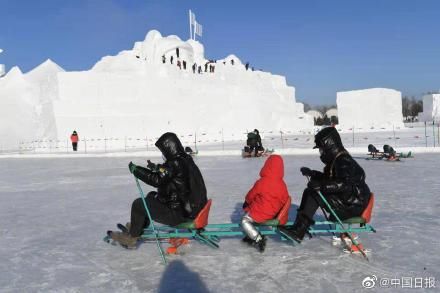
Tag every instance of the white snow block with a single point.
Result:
(368, 109)
(431, 108)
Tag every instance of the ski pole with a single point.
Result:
(323, 212)
(151, 220)
(342, 225)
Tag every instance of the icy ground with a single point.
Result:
(54, 213)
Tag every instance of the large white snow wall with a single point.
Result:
(134, 94)
(431, 108)
(376, 108)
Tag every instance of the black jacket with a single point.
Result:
(178, 180)
(343, 180)
(254, 139)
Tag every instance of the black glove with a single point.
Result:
(245, 205)
(306, 171)
(314, 184)
(131, 167)
(150, 165)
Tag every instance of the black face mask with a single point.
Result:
(328, 155)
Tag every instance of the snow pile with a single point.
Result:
(431, 108)
(26, 104)
(135, 94)
(376, 108)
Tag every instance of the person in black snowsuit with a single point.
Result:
(254, 142)
(177, 52)
(342, 184)
(180, 195)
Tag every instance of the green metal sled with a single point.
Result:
(210, 234)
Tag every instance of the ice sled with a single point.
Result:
(246, 152)
(210, 234)
(389, 154)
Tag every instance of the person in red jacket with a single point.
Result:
(264, 201)
(74, 138)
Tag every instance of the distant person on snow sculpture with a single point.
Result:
(179, 64)
(177, 52)
(194, 66)
(247, 66)
(254, 142)
(342, 184)
(264, 201)
(171, 59)
(184, 64)
(164, 59)
(74, 139)
(180, 195)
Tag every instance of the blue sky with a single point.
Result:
(320, 46)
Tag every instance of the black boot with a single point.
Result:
(259, 243)
(299, 229)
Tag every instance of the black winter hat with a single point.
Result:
(170, 145)
(327, 137)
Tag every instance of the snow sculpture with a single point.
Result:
(431, 108)
(376, 108)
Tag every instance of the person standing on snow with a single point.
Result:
(74, 139)
(177, 52)
(342, 184)
(264, 201)
(180, 195)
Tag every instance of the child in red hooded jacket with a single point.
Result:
(265, 200)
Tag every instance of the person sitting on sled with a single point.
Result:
(180, 195)
(390, 153)
(253, 142)
(342, 184)
(264, 201)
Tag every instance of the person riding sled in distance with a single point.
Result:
(180, 195)
(342, 184)
(254, 142)
(264, 201)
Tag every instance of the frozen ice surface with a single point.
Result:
(54, 213)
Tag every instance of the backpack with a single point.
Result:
(251, 135)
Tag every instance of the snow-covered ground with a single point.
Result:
(55, 211)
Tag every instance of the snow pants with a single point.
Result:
(74, 146)
(311, 201)
(159, 212)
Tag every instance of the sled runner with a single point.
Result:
(247, 153)
(346, 229)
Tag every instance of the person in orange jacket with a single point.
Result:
(74, 138)
(264, 201)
